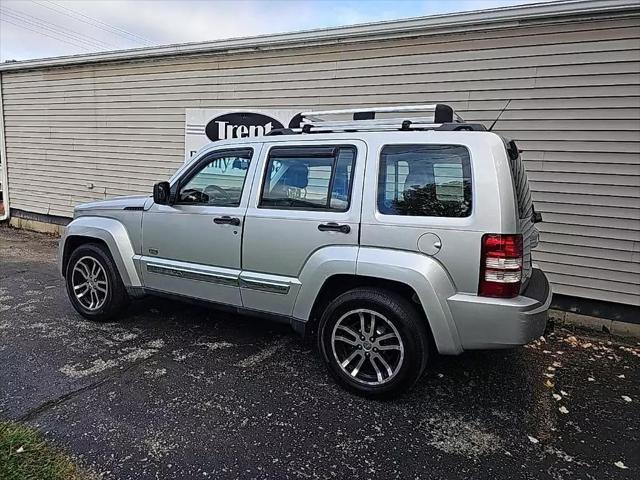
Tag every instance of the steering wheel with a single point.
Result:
(193, 195)
(211, 190)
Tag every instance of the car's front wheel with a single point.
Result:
(373, 341)
(93, 283)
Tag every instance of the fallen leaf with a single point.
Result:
(549, 375)
(591, 379)
(621, 376)
(533, 439)
(548, 384)
(619, 464)
(20, 450)
(440, 375)
(564, 394)
(626, 399)
(551, 369)
(557, 364)
(557, 397)
(563, 410)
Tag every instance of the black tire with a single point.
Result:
(116, 295)
(410, 327)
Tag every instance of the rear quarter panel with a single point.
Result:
(493, 209)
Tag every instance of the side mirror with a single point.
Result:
(161, 192)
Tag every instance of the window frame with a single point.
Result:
(324, 209)
(379, 175)
(200, 164)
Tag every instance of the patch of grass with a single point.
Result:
(24, 455)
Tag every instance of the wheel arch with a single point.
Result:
(105, 231)
(72, 243)
(417, 277)
(340, 283)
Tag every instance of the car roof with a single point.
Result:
(366, 136)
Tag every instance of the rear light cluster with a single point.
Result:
(501, 266)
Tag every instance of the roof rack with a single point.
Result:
(379, 118)
(439, 113)
(414, 117)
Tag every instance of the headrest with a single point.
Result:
(297, 175)
(420, 174)
(240, 164)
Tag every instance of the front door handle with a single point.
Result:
(227, 220)
(334, 227)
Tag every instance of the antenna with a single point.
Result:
(500, 114)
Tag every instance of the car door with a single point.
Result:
(305, 199)
(192, 246)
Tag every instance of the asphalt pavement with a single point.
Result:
(179, 391)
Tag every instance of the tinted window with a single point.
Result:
(425, 180)
(219, 181)
(520, 182)
(309, 178)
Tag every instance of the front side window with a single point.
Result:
(219, 181)
(425, 180)
(309, 178)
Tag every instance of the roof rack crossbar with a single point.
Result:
(431, 108)
(367, 118)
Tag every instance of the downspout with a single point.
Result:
(4, 171)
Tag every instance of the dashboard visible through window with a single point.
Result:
(219, 181)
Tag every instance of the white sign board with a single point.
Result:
(206, 125)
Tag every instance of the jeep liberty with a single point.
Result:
(387, 236)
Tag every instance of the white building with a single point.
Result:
(88, 127)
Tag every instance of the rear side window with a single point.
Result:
(425, 180)
(309, 178)
(520, 182)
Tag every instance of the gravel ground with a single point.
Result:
(181, 391)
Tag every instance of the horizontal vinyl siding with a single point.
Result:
(82, 133)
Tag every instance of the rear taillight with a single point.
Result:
(501, 266)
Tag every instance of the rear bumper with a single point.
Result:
(486, 323)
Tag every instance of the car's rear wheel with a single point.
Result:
(93, 283)
(373, 341)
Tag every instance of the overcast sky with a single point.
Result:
(43, 28)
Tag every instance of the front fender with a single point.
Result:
(428, 278)
(114, 235)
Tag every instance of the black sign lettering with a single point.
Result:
(239, 125)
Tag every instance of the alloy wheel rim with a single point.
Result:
(89, 282)
(367, 347)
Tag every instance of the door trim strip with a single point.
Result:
(218, 278)
(235, 278)
(265, 286)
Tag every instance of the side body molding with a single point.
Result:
(322, 264)
(428, 279)
(115, 235)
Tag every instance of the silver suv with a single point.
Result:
(387, 237)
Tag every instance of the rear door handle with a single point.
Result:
(334, 227)
(226, 220)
